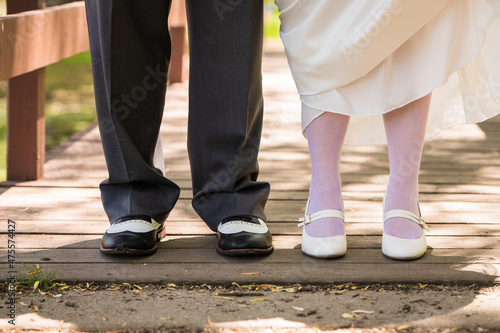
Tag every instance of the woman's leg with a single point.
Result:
(325, 136)
(405, 130)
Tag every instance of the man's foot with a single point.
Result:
(243, 236)
(132, 236)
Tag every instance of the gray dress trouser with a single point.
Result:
(130, 48)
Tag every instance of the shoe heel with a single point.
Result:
(160, 233)
(402, 248)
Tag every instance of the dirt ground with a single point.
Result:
(255, 308)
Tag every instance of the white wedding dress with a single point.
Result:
(364, 58)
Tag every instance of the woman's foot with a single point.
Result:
(403, 237)
(332, 246)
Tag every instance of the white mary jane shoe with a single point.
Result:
(404, 248)
(322, 247)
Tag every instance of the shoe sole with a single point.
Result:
(333, 256)
(245, 252)
(127, 251)
(403, 258)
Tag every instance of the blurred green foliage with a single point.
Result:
(271, 20)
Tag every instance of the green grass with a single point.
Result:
(272, 21)
(35, 278)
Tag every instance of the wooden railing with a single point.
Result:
(33, 37)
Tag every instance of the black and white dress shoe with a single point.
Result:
(132, 235)
(243, 236)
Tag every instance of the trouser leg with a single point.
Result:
(130, 48)
(226, 105)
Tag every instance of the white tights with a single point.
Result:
(405, 129)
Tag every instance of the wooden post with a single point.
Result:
(25, 114)
(177, 25)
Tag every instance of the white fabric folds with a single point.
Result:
(365, 58)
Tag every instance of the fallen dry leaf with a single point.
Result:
(403, 327)
(258, 299)
(266, 286)
(224, 297)
(251, 273)
(239, 294)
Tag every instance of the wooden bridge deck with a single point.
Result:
(59, 219)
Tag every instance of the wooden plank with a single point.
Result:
(53, 33)
(23, 196)
(310, 271)
(92, 241)
(291, 256)
(93, 211)
(355, 198)
(90, 208)
(89, 180)
(196, 227)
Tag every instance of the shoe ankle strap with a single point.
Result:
(309, 218)
(407, 215)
